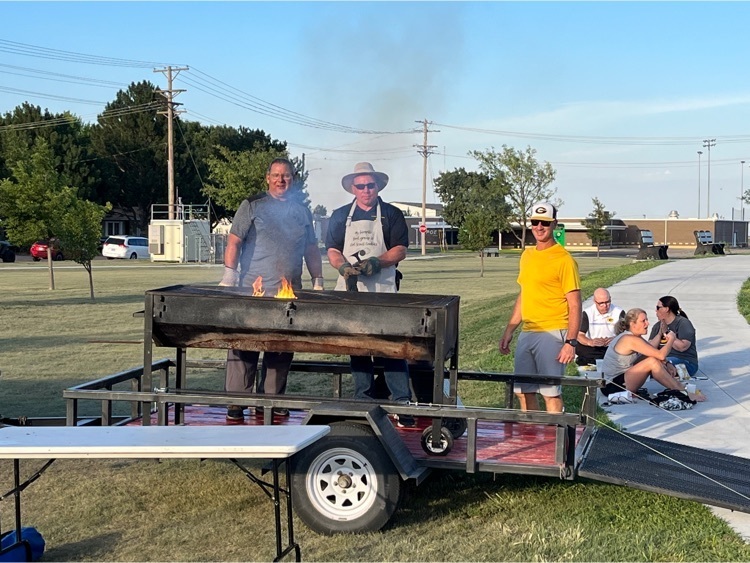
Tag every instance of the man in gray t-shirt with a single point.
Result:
(271, 234)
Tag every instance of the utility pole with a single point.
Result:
(707, 144)
(742, 190)
(699, 184)
(170, 94)
(425, 150)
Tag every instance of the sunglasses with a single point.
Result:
(660, 307)
(369, 186)
(535, 222)
(603, 302)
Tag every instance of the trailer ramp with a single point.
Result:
(664, 467)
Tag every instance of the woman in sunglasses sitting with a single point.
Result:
(630, 359)
(673, 319)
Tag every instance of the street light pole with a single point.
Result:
(742, 190)
(707, 144)
(699, 183)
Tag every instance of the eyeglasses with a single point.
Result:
(535, 222)
(603, 302)
(369, 186)
(276, 176)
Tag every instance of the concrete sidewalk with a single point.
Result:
(707, 291)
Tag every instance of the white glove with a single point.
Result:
(318, 284)
(231, 277)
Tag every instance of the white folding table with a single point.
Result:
(277, 443)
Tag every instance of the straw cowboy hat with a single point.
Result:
(362, 169)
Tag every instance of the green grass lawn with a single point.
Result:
(100, 510)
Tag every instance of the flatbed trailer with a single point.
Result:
(351, 480)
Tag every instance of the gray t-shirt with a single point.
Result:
(275, 234)
(684, 330)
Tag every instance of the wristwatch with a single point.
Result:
(572, 341)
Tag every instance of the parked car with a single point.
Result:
(39, 251)
(7, 251)
(126, 247)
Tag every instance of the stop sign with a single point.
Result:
(422, 228)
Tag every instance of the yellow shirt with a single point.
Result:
(545, 277)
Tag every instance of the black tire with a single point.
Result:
(11, 257)
(445, 445)
(345, 482)
(134, 256)
(456, 426)
(58, 257)
(35, 259)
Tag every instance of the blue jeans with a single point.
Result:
(691, 367)
(396, 377)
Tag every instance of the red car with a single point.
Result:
(39, 251)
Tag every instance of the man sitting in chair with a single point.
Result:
(597, 328)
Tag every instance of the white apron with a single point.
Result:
(362, 240)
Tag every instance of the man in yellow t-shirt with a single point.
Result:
(549, 306)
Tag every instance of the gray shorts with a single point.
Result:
(536, 354)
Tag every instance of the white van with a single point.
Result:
(125, 247)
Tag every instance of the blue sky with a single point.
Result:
(616, 96)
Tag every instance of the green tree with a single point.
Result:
(235, 176)
(195, 144)
(320, 211)
(595, 223)
(79, 231)
(65, 134)
(130, 139)
(462, 192)
(32, 199)
(32, 195)
(525, 179)
(475, 233)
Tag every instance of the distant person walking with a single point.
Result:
(549, 306)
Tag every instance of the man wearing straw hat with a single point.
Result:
(366, 240)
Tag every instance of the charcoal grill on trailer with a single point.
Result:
(350, 481)
(418, 328)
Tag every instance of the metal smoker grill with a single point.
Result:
(397, 325)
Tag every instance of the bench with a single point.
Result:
(649, 251)
(704, 244)
(277, 443)
(491, 252)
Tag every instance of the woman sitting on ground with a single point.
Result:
(630, 359)
(673, 319)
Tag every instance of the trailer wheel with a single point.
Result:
(345, 482)
(445, 445)
(456, 426)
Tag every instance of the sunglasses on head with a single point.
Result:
(369, 186)
(535, 222)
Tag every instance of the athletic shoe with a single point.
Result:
(235, 413)
(260, 411)
(621, 398)
(405, 421)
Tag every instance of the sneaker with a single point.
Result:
(260, 411)
(235, 413)
(405, 421)
(621, 398)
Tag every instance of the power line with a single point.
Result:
(15, 48)
(601, 140)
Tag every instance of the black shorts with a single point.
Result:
(616, 385)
